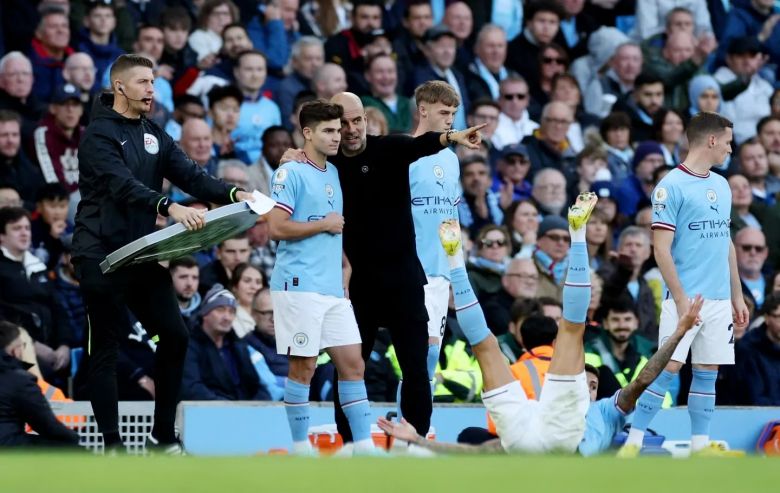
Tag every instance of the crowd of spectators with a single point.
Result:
(576, 95)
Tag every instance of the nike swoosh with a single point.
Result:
(123, 142)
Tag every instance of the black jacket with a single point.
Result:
(23, 176)
(21, 402)
(758, 366)
(122, 163)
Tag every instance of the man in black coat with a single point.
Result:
(15, 169)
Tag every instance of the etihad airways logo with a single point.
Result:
(433, 200)
(711, 228)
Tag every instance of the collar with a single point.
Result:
(560, 148)
(543, 353)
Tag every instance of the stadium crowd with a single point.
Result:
(576, 96)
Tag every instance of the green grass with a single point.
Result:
(74, 473)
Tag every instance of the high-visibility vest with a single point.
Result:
(53, 394)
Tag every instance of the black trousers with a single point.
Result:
(406, 319)
(147, 290)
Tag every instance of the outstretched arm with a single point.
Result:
(629, 395)
(405, 431)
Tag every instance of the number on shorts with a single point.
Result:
(443, 323)
(731, 329)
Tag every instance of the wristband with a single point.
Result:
(448, 136)
(232, 194)
(163, 205)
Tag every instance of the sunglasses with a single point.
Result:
(519, 97)
(559, 238)
(557, 61)
(756, 248)
(492, 243)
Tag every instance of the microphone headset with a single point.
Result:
(122, 91)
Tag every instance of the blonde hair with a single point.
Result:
(436, 91)
(376, 117)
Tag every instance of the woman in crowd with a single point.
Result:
(599, 234)
(553, 60)
(522, 220)
(214, 15)
(615, 131)
(488, 265)
(245, 283)
(566, 89)
(669, 131)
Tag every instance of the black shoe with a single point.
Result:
(154, 447)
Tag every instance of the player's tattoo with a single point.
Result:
(628, 396)
(489, 447)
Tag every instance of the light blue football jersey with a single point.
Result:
(434, 183)
(313, 264)
(602, 422)
(698, 209)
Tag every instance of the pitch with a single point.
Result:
(31, 473)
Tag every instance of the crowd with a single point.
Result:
(576, 96)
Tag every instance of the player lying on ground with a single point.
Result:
(557, 422)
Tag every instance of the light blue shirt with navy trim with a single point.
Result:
(603, 421)
(313, 264)
(434, 182)
(698, 209)
(254, 118)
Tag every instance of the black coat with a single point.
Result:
(207, 378)
(21, 402)
(122, 163)
(212, 274)
(758, 366)
(19, 173)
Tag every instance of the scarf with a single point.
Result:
(489, 78)
(483, 263)
(555, 269)
(561, 147)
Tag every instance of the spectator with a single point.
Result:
(21, 401)
(206, 41)
(307, 56)
(49, 225)
(68, 294)
(235, 41)
(553, 61)
(382, 77)
(623, 278)
(522, 221)
(744, 59)
(185, 275)
(376, 123)
(97, 38)
(273, 32)
(345, 48)
(548, 146)
(774, 103)
(440, 48)
(233, 172)
(565, 89)
(514, 122)
(551, 256)
(224, 110)
(615, 130)
(619, 352)
(9, 197)
(754, 165)
(750, 245)
(485, 111)
(80, 71)
(487, 70)
(520, 280)
(324, 19)
(480, 206)
(230, 253)
(409, 43)
(542, 22)
(328, 80)
(177, 54)
(607, 204)
(510, 181)
(669, 131)
(753, 18)
(196, 141)
(599, 238)
(576, 27)
(245, 283)
(758, 358)
(653, 15)
(15, 169)
(506, 15)
(637, 187)
(538, 334)
(591, 162)
(56, 141)
(704, 95)
(459, 19)
(49, 50)
(263, 339)
(618, 81)
(743, 211)
(768, 129)
(549, 192)
(642, 104)
(602, 45)
(16, 84)
(263, 255)
(487, 267)
(185, 107)
(257, 111)
(511, 342)
(28, 296)
(217, 366)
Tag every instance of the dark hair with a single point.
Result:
(658, 122)
(533, 8)
(370, 61)
(523, 308)
(657, 172)
(592, 370)
(318, 111)
(771, 303)
(231, 26)
(677, 10)
(10, 116)
(188, 262)
(765, 120)
(553, 46)
(94, 5)
(614, 121)
(272, 130)
(549, 301)
(176, 18)
(704, 124)
(8, 333)
(239, 236)
(218, 93)
(558, 78)
(303, 97)
(621, 304)
(207, 8)
(126, 62)
(753, 141)
(239, 270)
(183, 99)
(51, 191)
(143, 27)
(538, 330)
(476, 158)
(482, 102)
(50, 10)
(493, 227)
(415, 3)
(645, 78)
(509, 214)
(10, 215)
(250, 52)
(366, 3)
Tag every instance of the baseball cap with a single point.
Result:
(217, 296)
(437, 32)
(514, 150)
(64, 93)
(550, 223)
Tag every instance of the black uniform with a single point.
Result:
(122, 163)
(387, 285)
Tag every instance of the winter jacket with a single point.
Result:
(47, 70)
(758, 365)
(102, 55)
(25, 178)
(122, 165)
(745, 20)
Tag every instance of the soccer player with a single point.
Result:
(525, 425)
(310, 310)
(691, 211)
(435, 192)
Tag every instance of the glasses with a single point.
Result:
(556, 121)
(517, 161)
(492, 243)
(517, 96)
(557, 61)
(558, 238)
(263, 313)
(749, 248)
(523, 277)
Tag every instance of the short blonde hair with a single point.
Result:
(436, 91)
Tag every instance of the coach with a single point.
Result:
(123, 159)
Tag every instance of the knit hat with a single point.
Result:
(645, 149)
(603, 43)
(550, 223)
(604, 190)
(216, 297)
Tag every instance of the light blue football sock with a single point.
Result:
(354, 403)
(296, 404)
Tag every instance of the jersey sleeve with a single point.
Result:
(666, 202)
(284, 188)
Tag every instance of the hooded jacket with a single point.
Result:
(122, 163)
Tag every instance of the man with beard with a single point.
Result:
(185, 274)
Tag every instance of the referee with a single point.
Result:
(123, 159)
